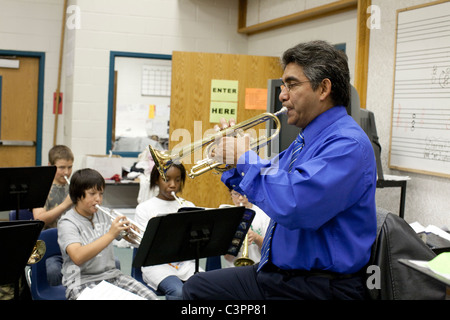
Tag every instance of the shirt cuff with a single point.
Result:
(233, 178)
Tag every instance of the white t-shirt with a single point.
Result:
(259, 225)
(153, 275)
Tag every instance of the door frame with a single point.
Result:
(40, 102)
(111, 93)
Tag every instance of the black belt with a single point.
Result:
(309, 273)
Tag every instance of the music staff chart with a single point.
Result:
(156, 80)
(420, 128)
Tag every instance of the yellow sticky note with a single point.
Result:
(151, 111)
(224, 90)
(219, 109)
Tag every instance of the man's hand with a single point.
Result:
(229, 149)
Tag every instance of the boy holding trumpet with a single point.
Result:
(85, 237)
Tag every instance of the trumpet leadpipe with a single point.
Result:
(181, 202)
(67, 179)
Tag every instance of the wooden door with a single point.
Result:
(18, 110)
(192, 73)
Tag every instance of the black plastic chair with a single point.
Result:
(24, 214)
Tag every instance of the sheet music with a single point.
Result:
(107, 291)
(390, 177)
(420, 137)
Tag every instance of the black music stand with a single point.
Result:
(17, 240)
(193, 235)
(25, 187)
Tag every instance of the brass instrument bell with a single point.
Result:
(244, 260)
(38, 252)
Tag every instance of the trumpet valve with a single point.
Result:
(123, 233)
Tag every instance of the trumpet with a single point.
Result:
(137, 235)
(67, 179)
(244, 260)
(164, 159)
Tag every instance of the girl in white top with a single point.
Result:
(166, 278)
(255, 234)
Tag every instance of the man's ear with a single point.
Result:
(325, 89)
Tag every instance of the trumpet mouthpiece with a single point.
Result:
(283, 110)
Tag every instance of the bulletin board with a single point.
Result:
(420, 127)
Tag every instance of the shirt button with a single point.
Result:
(242, 174)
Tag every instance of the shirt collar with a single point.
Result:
(322, 121)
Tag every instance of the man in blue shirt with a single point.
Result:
(319, 192)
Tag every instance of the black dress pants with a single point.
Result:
(244, 283)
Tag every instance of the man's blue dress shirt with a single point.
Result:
(325, 208)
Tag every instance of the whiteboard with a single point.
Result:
(420, 125)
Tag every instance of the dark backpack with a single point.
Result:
(397, 240)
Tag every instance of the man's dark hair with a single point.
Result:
(320, 60)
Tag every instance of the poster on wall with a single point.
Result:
(256, 98)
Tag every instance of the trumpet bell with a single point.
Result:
(243, 262)
(38, 253)
(162, 160)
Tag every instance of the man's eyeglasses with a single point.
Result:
(289, 86)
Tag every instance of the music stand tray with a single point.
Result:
(25, 187)
(193, 235)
